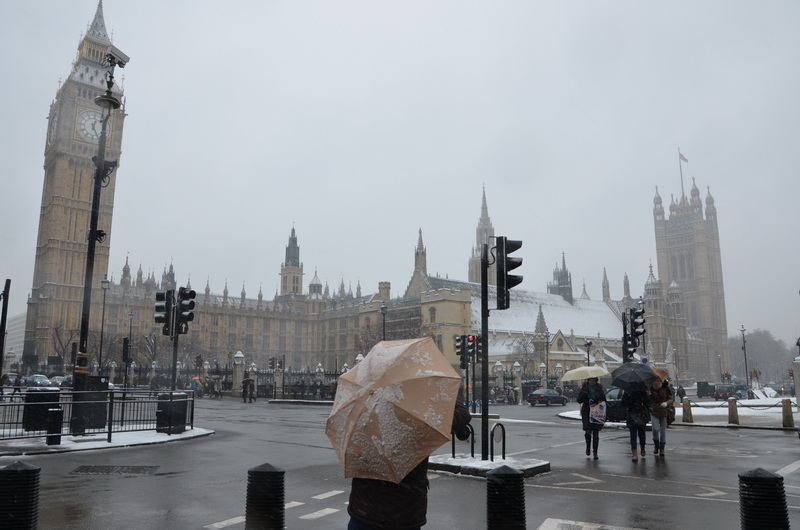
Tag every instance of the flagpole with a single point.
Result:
(680, 166)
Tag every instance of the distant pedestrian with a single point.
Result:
(17, 385)
(661, 398)
(591, 394)
(3, 383)
(637, 404)
(681, 392)
(245, 389)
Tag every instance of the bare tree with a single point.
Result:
(523, 351)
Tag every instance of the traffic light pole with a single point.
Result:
(485, 360)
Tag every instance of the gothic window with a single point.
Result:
(674, 266)
(265, 343)
(231, 339)
(368, 323)
(248, 341)
(682, 273)
(249, 322)
(232, 321)
(214, 339)
(432, 313)
(342, 342)
(215, 320)
(690, 265)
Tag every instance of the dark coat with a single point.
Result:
(659, 396)
(386, 505)
(638, 406)
(583, 399)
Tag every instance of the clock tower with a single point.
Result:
(74, 126)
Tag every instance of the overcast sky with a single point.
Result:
(361, 122)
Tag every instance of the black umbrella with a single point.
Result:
(633, 376)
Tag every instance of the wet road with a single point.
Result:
(202, 483)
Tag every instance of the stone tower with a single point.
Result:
(484, 233)
(688, 253)
(292, 269)
(54, 307)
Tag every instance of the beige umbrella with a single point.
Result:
(393, 409)
(584, 372)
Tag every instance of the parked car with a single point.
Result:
(57, 380)
(614, 410)
(38, 380)
(546, 396)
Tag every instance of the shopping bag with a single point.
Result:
(597, 413)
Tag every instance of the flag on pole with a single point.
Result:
(682, 157)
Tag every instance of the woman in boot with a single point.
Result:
(591, 392)
(637, 403)
(661, 398)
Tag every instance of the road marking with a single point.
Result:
(589, 480)
(292, 504)
(791, 468)
(562, 524)
(223, 524)
(637, 493)
(713, 492)
(318, 514)
(327, 494)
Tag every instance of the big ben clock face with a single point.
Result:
(89, 125)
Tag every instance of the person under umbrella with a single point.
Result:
(390, 413)
(637, 403)
(661, 398)
(590, 394)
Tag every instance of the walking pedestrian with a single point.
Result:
(591, 394)
(3, 383)
(681, 392)
(17, 386)
(245, 389)
(637, 404)
(661, 398)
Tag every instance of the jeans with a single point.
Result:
(659, 429)
(637, 432)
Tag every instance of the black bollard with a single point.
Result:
(762, 501)
(19, 496)
(265, 498)
(505, 501)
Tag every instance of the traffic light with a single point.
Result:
(126, 351)
(471, 344)
(272, 363)
(628, 349)
(479, 348)
(505, 263)
(460, 344)
(791, 373)
(185, 306)
(637, 324)
(164, 312)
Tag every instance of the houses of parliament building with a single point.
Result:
(312, 324)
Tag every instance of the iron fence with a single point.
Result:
(52, 412)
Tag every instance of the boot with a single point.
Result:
(661, 448)
(634, 456)
(588, 444)
(595, 443)
(655, 447)
(644, 453)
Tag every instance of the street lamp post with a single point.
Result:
(103, 168)
(105, 285)
(383, 312)
(588, 346)
(744, 352)
(721, 374)
(559, 371)
(543, 373)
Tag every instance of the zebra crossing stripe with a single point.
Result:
(318, 514)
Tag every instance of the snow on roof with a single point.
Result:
(584, 317)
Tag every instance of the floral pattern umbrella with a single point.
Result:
(393, 409)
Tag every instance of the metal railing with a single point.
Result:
(51, 412)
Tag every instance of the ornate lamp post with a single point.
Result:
(543, 373)
(588, 346)
(108, 103)
(359, 358)
(383, 312)
(105, 285)
(516, 369)
(559, 371)
(744, 351)
(345, 368)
